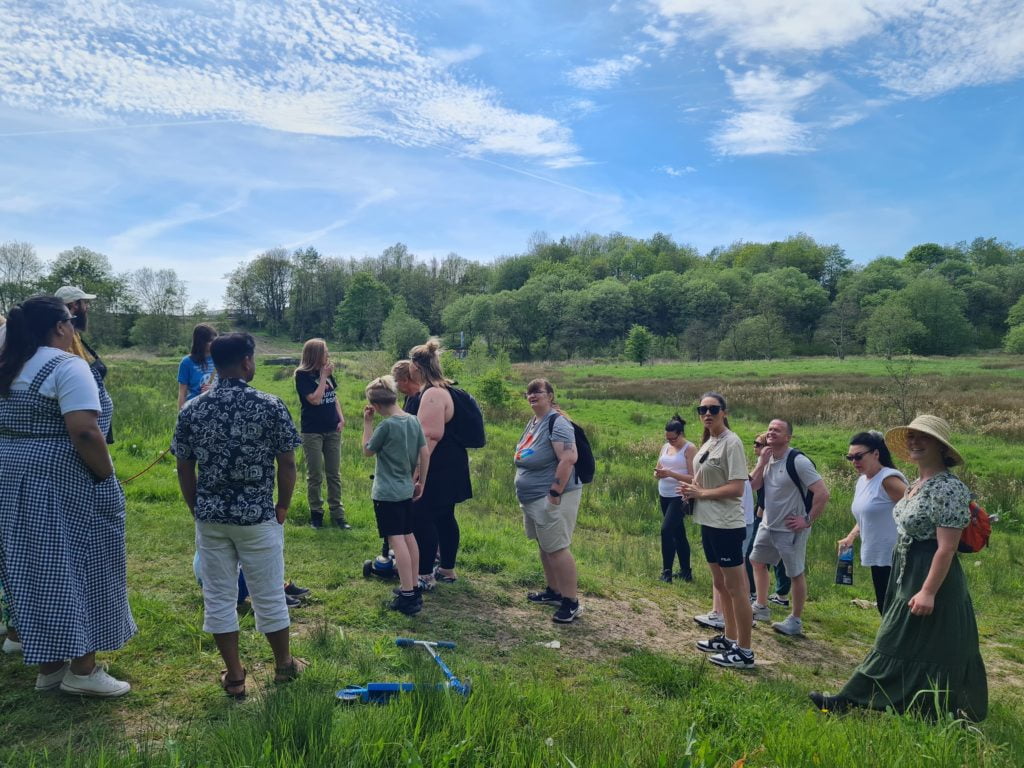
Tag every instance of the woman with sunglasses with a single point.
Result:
(879, 487)
(716, 492)
(926, 656)
(675, 464)
(62, 509)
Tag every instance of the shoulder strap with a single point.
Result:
(551, 423)
(88, 349)
(794, 475)
(47, 369)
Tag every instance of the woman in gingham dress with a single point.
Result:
(62, 510)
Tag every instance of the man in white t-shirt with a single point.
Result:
(788, 478)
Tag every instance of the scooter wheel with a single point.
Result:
(367, 568)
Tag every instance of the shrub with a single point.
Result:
(1014, 341)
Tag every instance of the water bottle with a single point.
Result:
(844, 567)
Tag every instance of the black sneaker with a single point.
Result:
(567, 611)
(687, 577)
(547, 597)
(294, 590)
(417, 590)
(292, 602)
(734, 657)
(779, 600)
(717, 644)
(666, 576)
(410, 605)
(340, 522)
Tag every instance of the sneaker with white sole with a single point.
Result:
(734, 657)
(716, 644)
(547, 597)
(11, 646)
(52, 680)
(567, 611)
(790, 626)
(761, 612)
(711, 620)
(96, 683)
(778, 600)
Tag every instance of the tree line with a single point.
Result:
(584, 295)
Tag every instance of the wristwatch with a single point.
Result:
(553, 492)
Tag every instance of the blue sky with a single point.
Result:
(195, 135)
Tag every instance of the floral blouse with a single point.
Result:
(942, 501)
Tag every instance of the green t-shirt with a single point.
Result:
(396, 441)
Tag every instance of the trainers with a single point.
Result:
(778, 600)
(340, 522)
(567, 611)
(418, 590)
(292, 602)
(52, 680)
(292, 590)
(96, 683)
(791, 626)
(316, 521)
(830, 704)
(761, 612)
(715, 644)
(11, 646)
(687, 577)
(410, 605)
(666, 576)
(711, 620)
(734, 657)
(547, 597)
(425, 583)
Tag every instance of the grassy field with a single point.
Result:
(626, 687)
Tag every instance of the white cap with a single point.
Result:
(71, 293)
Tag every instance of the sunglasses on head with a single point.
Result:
(714, 410)
(856, 456)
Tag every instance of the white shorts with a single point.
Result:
(552, 525)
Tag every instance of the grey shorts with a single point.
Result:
(552, 525)
(772, 546)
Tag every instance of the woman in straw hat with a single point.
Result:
(926, 655)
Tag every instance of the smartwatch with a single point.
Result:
(553, 492)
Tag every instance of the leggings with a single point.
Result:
(435, 526)
(673, 534)
(880, 578)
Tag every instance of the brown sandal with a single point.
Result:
(290, 671)
(237, 685)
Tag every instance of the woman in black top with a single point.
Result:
(322, 423)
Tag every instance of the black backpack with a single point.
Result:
(808, 496)
(585, 466)
(467, 424)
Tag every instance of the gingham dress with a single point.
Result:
(62, 546)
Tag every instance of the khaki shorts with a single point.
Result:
(552, 525)
(791, 548)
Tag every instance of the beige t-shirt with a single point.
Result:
(718, 461)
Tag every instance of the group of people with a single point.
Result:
(62, 506)
(926, 655)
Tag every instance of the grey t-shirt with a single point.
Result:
(535, 458)
(782, 498)
(396, 441)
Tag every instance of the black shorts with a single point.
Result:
(394, 518)
(723, 546)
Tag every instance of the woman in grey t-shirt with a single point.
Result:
(549, 494)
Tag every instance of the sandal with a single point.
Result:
(443, 578)
(238, 685)
(290, 671)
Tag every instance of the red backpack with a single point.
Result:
(974, 537)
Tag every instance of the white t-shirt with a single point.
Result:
(782, 498)
(747, 502)
(71, 383)
(872, 509)
(674, 462)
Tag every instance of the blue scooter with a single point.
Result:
(381, 693)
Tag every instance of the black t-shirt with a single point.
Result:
(317, 418)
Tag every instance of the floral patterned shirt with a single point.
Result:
(234, 432)
(942, 501)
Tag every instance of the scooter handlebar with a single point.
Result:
(405, 642)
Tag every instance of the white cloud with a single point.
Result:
(321, 67)
(604, 73)
(671, 171)
(452, 56)
(666, 37)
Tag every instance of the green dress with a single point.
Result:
(930, 664)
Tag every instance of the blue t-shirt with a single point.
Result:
(194, 376)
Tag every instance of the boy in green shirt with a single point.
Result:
(402, 463)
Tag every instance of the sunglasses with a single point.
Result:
(857, 456)
(714, 410)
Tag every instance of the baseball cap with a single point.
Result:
(70, 293)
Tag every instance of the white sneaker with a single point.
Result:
(791, 626)
(11, 646)
(711, 620)
(761, 612)
(52, 680)
(96, 683)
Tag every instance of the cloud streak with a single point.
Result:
(603, 74)
(320, 67)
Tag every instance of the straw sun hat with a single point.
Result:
(896, 438)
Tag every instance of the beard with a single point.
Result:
(80, 321)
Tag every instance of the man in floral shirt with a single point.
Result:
(237, 435)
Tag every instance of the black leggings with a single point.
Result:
(435, 526)
(880, 578)
(673, 534)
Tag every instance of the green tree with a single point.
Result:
(927, 254)
(1013, 343)
(793, 297)
(401, 331)
(638, 344)
(758, 337)
(940, 308)
(1015, 316)
(20, 272)
(892, 329)
(362, 312)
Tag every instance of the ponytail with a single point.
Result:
(676, 424)
(29, 326)
(706, 435)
